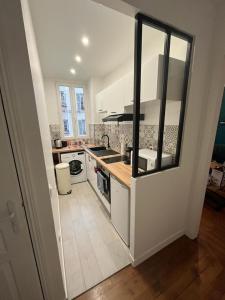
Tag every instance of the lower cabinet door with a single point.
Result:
(88, 165)
(120, 209)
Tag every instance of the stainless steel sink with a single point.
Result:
(102, 151)
(94, 149)
(114, 159)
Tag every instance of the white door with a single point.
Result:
(18, 272)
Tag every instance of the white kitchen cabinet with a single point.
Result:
(99, 98)
(114, 98)
(152, 76)
(128, 83)
(88, 166)
(98, 102)
(91, 175)
(120, 209)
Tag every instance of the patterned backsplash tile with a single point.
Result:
(55, 131)
(123, 132)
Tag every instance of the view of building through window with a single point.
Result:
(81, 120)
(73, 114)
(66, 110)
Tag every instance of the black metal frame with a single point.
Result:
(169, 30)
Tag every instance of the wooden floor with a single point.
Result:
(93, 250)
(185, 270)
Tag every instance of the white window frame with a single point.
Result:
(73, 103)
(85, 111)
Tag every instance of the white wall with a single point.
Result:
(209, 120)
(160, 201)
(94, 86)
(43, 124)
(21, 111)
(51, 101)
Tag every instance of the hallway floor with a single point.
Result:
(186, 269)
(93, 250)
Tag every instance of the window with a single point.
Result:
(72, 105)
(80, 111)
(165, 80)
(66, 110)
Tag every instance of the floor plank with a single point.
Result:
(93, 250)
(186, 269)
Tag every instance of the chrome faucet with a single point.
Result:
(106, 135)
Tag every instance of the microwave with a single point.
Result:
(147, 159)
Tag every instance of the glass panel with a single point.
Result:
(66, 109)
(153, 41)
(80, 110)
(178, 52)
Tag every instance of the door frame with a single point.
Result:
(19, 101)
(19, 237)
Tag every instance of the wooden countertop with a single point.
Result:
(74, 148)
(121, 171)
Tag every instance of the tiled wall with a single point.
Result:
(123, 132)
(148, 135)
(55, 131)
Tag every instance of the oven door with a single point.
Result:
(76, 167)
(103, 184)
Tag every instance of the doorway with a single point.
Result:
(85, 49)
(215, 191)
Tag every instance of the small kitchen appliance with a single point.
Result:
(58, 143)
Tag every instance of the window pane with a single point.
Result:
(66, 109)
(153, 41)
(177, 60)
(80, 111)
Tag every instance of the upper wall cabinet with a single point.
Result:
(101, 105)
(152, 74)
(116, 99)
(128, 89)
(113, 99)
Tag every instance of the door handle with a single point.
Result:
(12, 216)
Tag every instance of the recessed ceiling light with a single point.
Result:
(78, 58)
(72, 71)
(85, 41)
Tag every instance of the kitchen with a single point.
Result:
(90, 113)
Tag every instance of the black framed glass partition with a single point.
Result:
(161, 72)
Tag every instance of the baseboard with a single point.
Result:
(157, 248)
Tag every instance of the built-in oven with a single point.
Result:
(103, 182)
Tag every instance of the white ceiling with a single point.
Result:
(59, 26)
